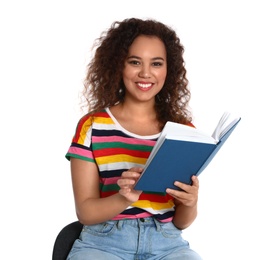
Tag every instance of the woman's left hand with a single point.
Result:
(188, 195)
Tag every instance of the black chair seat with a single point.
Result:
(65, 240)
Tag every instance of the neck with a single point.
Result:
(140, 111)
(139, 119)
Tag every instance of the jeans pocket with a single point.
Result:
(169, 230)
(102, 229)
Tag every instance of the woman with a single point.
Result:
(135, 83)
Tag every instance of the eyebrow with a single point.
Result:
(136, 57)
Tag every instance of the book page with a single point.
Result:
(223, 126)
(192, 138)
(219, 126)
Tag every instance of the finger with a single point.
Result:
(125, 182)
(136, 169)
(195, 181)
(180, 195)
(124, 191)
(182, 186)
(186, 188)
(130, 174)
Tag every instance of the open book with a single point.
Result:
(182, 151)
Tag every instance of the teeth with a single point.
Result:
(145, 85)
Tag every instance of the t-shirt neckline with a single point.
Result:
(120, 127)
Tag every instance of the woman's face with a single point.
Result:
(145, 69)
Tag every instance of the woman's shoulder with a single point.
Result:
(94, 116)
(190, 124)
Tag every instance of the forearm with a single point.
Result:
(97, 210)
(184, 216)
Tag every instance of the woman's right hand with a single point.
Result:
(126, 183)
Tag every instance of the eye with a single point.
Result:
(157, 64)
(134, 62)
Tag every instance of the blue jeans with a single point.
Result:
(132, 239)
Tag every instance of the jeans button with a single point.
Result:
(142, 219)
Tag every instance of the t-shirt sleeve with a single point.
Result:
(81, 146)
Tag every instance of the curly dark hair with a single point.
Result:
(103, 85)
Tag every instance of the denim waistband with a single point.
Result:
(138, 222)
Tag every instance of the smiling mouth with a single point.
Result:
(144, 85)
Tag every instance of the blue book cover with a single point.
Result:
(177, 160)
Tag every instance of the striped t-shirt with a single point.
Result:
(100, 139)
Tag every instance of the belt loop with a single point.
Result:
(158, 224)
(119, 224)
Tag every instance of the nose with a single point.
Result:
(144, 72)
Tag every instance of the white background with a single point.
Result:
(230, 53)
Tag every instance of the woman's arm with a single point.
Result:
(92, 209)
(185, 202)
